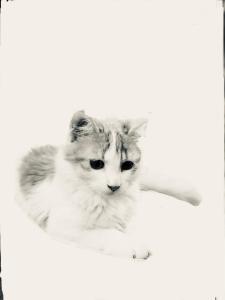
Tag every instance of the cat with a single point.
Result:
(86, 190)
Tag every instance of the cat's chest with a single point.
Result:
(93, 211)
(114, 212)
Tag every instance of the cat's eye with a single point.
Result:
(127, 165)
(97, 164)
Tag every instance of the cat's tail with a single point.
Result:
(179, 188)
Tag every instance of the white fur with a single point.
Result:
(76, 204)
(112, 160)
(75, 213)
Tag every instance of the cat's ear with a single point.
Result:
(81, 125)
(135, 127)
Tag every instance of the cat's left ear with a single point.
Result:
(136, 127)
(81, 125)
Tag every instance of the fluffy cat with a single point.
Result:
(86, 190)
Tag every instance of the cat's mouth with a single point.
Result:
(113, 194)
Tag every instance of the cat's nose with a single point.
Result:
(113, 188)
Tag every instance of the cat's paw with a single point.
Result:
(141, 253)
(127, 248)
(114, 243)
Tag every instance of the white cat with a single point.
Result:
(86, 190)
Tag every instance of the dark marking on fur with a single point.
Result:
(44, 222)
(124, 155)
(100, 127)
(36, 166)
(125, 129)
(107, 141)
(118, 142)
(82, 122)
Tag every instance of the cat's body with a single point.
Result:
(87, 190)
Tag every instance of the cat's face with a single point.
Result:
(105, 153)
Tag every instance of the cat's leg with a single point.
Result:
(112, 242)
(108, 241)
(62, 224)
(176, 187)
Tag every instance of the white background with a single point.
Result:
(121, 58)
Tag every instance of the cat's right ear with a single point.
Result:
(80, 125)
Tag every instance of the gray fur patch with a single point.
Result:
(43, 222)
(118, 142)
(107, 141)
(36, 166)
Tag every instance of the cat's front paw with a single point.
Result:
(141, 253)
(114, 243)
(129, 252)
(127, 248)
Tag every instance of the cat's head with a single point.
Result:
(105, 153)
